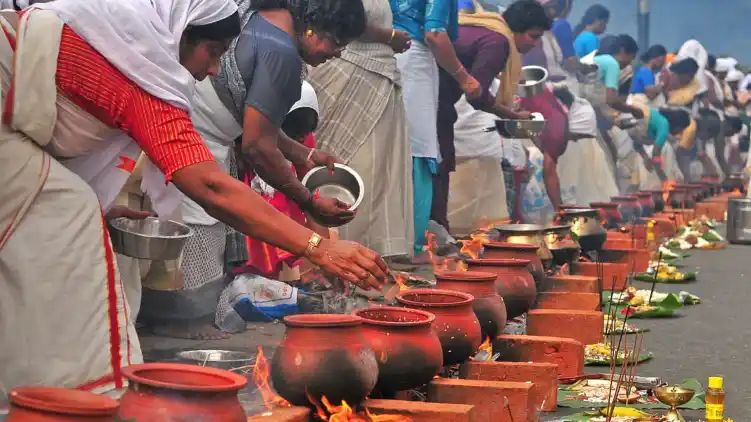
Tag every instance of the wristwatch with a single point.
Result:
(313, 242)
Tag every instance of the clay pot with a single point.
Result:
(455, 322)
(50, 404)
(514, 283)
(647, 203)
(735, 182)
(609, 213)
(629, 207)
(407, 349)
(680, 197)
(174, 392)
(488, 305)
(506, 250)
(565, 250)
(658, 199)
(527, 234)
(586, 225)
(324, 355)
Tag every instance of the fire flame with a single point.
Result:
(461, 266)
(401, 280)
(327, 412)
(473, 247)
(486, 346)
(667, 187)
(261, 379)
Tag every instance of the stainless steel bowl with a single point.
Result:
(344, 184)
(532, 81)
(222, 359)
(526, 129)
(150, 238)
(520, 228)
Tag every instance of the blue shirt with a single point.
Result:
(643, 78)
(586, 43)
(416, 17)
(565, 37)
(609, 70)
(659, 127)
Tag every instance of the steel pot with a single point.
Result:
(585, 225)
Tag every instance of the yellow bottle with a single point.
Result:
(715, 400)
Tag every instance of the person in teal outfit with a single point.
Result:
(592, 25)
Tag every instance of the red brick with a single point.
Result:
(567, 353)
(636, 260)
(290, 414)
(544, 377)
(568, 300)
(624, 243)
(420, 411)
(715, 210)
(488, 397)
(575, 283)
(585, 327)
(607, 271)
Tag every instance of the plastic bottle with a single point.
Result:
(715, 400)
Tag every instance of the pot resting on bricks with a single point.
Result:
(514, 283)
(488, 304)
(406, 347)
(456, 325)
(506, 250)
(174, 392)
(324, 355)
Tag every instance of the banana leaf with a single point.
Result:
(659, 311)
(671, 301)
(649, 278)
(606, 362)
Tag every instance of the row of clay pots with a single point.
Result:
(156, 391)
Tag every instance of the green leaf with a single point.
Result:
(606, 362)
(671, 302)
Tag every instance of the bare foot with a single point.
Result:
(189, 330)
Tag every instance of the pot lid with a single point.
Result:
(520, 228)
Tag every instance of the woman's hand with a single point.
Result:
(472, 89)
(522, 115)
(331, 211)
(119, 211)
(400, 41)
(350, 261)
(321, 158)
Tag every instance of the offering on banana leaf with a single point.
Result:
(618, 327)
(600, 354)
(635, 297)
(665, 273)
(697, 235)
(666, 254)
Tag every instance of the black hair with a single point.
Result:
(627, 44)
(608, 45)
(559, 6)
(524, 15)
(711, 62)
(653, 52)
(343, 19)
(300, 122)
(686, 66)
(678, 119)
(596, 12)
(221, 30)
(565, 96)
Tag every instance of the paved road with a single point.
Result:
(711, 338)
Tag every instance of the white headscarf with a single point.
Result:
(694, 50)
(308, 98)
(141, 38)
(726, 64)
(734, 75)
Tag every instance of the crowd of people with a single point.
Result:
(209, 112)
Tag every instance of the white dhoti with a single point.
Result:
(595, 179)
(477, 195)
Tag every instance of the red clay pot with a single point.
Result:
(609, 213)
(505, 250)
(629, 207)
(658, 198)
(324, 355)
(50, 404)
(515, 284)
(173, 392)
(407, 349)
(455, 323)
(488, 305)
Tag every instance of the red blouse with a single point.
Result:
(164, 132)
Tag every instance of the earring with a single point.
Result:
(309, 33)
